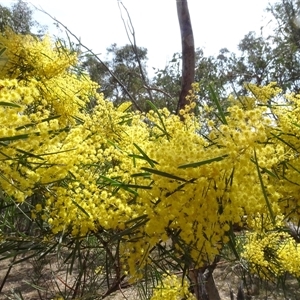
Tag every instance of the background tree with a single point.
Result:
(261, 59)
(128, 64)
(123, 64)
(207, 70)
(19, 17)
(252, 64)
(286, 38)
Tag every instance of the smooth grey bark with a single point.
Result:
(188, 52)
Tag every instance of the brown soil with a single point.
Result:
(40, 280)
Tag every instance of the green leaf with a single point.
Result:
(14, 138)
(3, 103)
(144, 174)
(179, 188)
(51, 118)
(215, 98)
(34, 124)
(264, 189)
(164, 130)
(44, 253)
(119, 184)
(136, 223)
(232, 243)
(29, 154)
(164, 174)
(74, 254)
(137, 219)
(9, 181)
(270, 173)
(291, 166)
(34, 286)
(203, 162)
(80, 207)
(2, 51)
(144, 156)
(295, 124)
(79, 120)
(136, 186)
(57, 152)
(5, 155)
(283, 141)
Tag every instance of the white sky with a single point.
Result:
(216, 23)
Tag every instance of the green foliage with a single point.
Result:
(20, 19)
(123, 63)
(264, 59)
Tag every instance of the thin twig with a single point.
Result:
(134, 46)
(153, 88)
(121, 291)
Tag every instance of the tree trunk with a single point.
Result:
(204, 284)
(205, 288)
(188, 52)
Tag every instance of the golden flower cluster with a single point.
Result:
(148, 177)
(172, 288)
(272, 254)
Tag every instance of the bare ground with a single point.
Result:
(34, 281)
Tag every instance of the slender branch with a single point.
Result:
(129, 27)
(153, 88)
